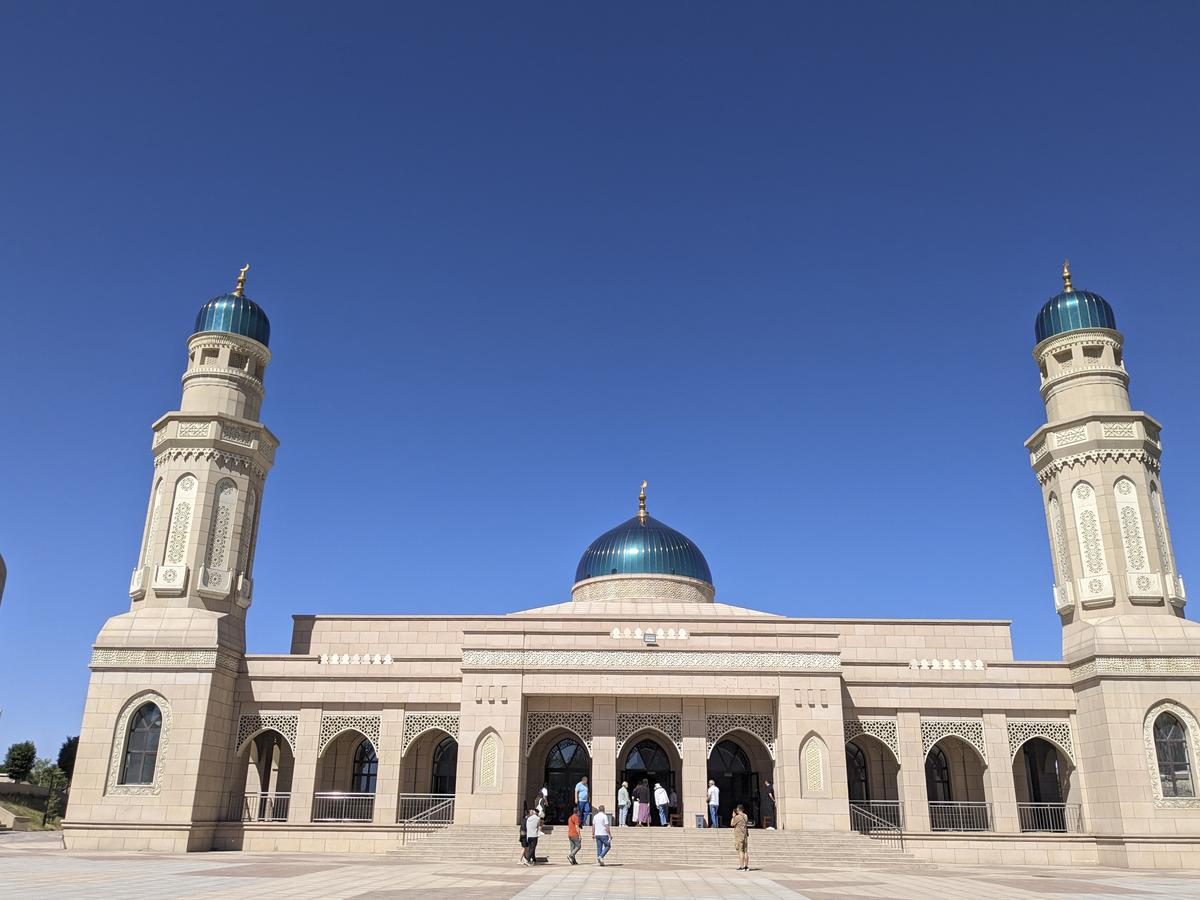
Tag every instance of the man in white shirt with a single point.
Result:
(600, 826)
(533, 830)
(714, 801)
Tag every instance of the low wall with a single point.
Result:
(12, 821)
(9, 788)
(1118, 851)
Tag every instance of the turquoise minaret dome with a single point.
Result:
(643, 546)
(1073, 310)
(235, 313)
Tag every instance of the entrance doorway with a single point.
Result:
(649, 760)
(729, 767)
(566, 763)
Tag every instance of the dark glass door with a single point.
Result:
(648, 760)
(566, 763)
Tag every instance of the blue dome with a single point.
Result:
(234, 314)
(1072, 310)
(643, 546)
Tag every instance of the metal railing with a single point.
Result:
(261, 806)
(432, 810)
(1065, 817)
(338, 806)
(960, 815)
(876, 815)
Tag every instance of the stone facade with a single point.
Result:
(372, 722)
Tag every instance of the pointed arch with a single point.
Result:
(814, 766)
(487, 762)
(120, 744)
(153, 517)
(182, 509)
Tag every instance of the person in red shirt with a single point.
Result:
(573, 837)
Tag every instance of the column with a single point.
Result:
(604, 754)
(694, 778)
(998, 778)
(387, 785)
(304, 775)
(912, 772)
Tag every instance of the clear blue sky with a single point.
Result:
(781, 259)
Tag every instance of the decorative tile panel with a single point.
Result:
(416, 724)
(163, 659)
(250, 726)
(969, 730)
(1056, 731)
(1185, 666)
(333, 724)
(762, 727)
(670, 724)
(882, 729)
(538, 723)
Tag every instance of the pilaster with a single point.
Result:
(912, 787)
(999, 787)
(695, 762)
(304, 772)
(604, 753)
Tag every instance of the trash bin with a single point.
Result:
(700, 823)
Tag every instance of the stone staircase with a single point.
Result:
(661, 846)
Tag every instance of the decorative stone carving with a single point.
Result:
(181, 521)
(814, 768)
(969, 730)
(152, 529)
(232, 461)
(1133, 539)
(1160, 533)
(1067, 436)
(1159, 666)
(702, 660)
(682, 590)
(1119, 430)
(1193, 745)
(539, 723)
(1056, 731)
(670, 724)
(192, 429)
(660, 633)
(250, 726)
(416, 724)
(761, 726)
(947, 664)
(163, 659)
(365, 659)
(1062, 558)
(121, 735)
(221, 533)
(488, 769)
(1103, 454)
(333, 724)
(236, 434)
(882, 729)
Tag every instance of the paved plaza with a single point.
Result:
(34, 865)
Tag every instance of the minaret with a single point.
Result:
(1097, 460)
(211, 458)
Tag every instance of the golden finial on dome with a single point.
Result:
(241, 282)
(642, 501)
(1067, 275)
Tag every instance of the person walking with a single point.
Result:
(714, 802)
(662, 801)
(741, 837)
(581, 800)
(768, 808)
(573, 838)
(623, 804)
(533, 830)
(641, 794)
(600, 830)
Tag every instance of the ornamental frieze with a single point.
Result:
(671, 660)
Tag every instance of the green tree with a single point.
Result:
(66, 756)
(46, 774)
(19, 760)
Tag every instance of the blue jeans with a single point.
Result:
(662, 814)
(585, 812)
(603, 845)
(712, 817)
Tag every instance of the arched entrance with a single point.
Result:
(872, 780)
(647, 758)
(737, 768)
(444, 777)
(954, 778)
(566, 762)
(1042, 779)
(267, 764)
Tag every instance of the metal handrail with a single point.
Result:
(1061, 817)
(436, 810)
(960, 815)
(260, 806)
(886, 819)
(342, 806)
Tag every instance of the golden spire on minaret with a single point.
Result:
(642, 501)
(241, 282)
(1067, 275)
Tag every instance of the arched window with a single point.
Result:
(366, 768)
(649, 756)
(856, 773)
(445, 766)
(729, 758)
(1171, 747)
(937, 776)
(141, 746)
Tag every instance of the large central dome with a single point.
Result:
(643, 546)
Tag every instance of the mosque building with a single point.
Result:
(375, 727)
